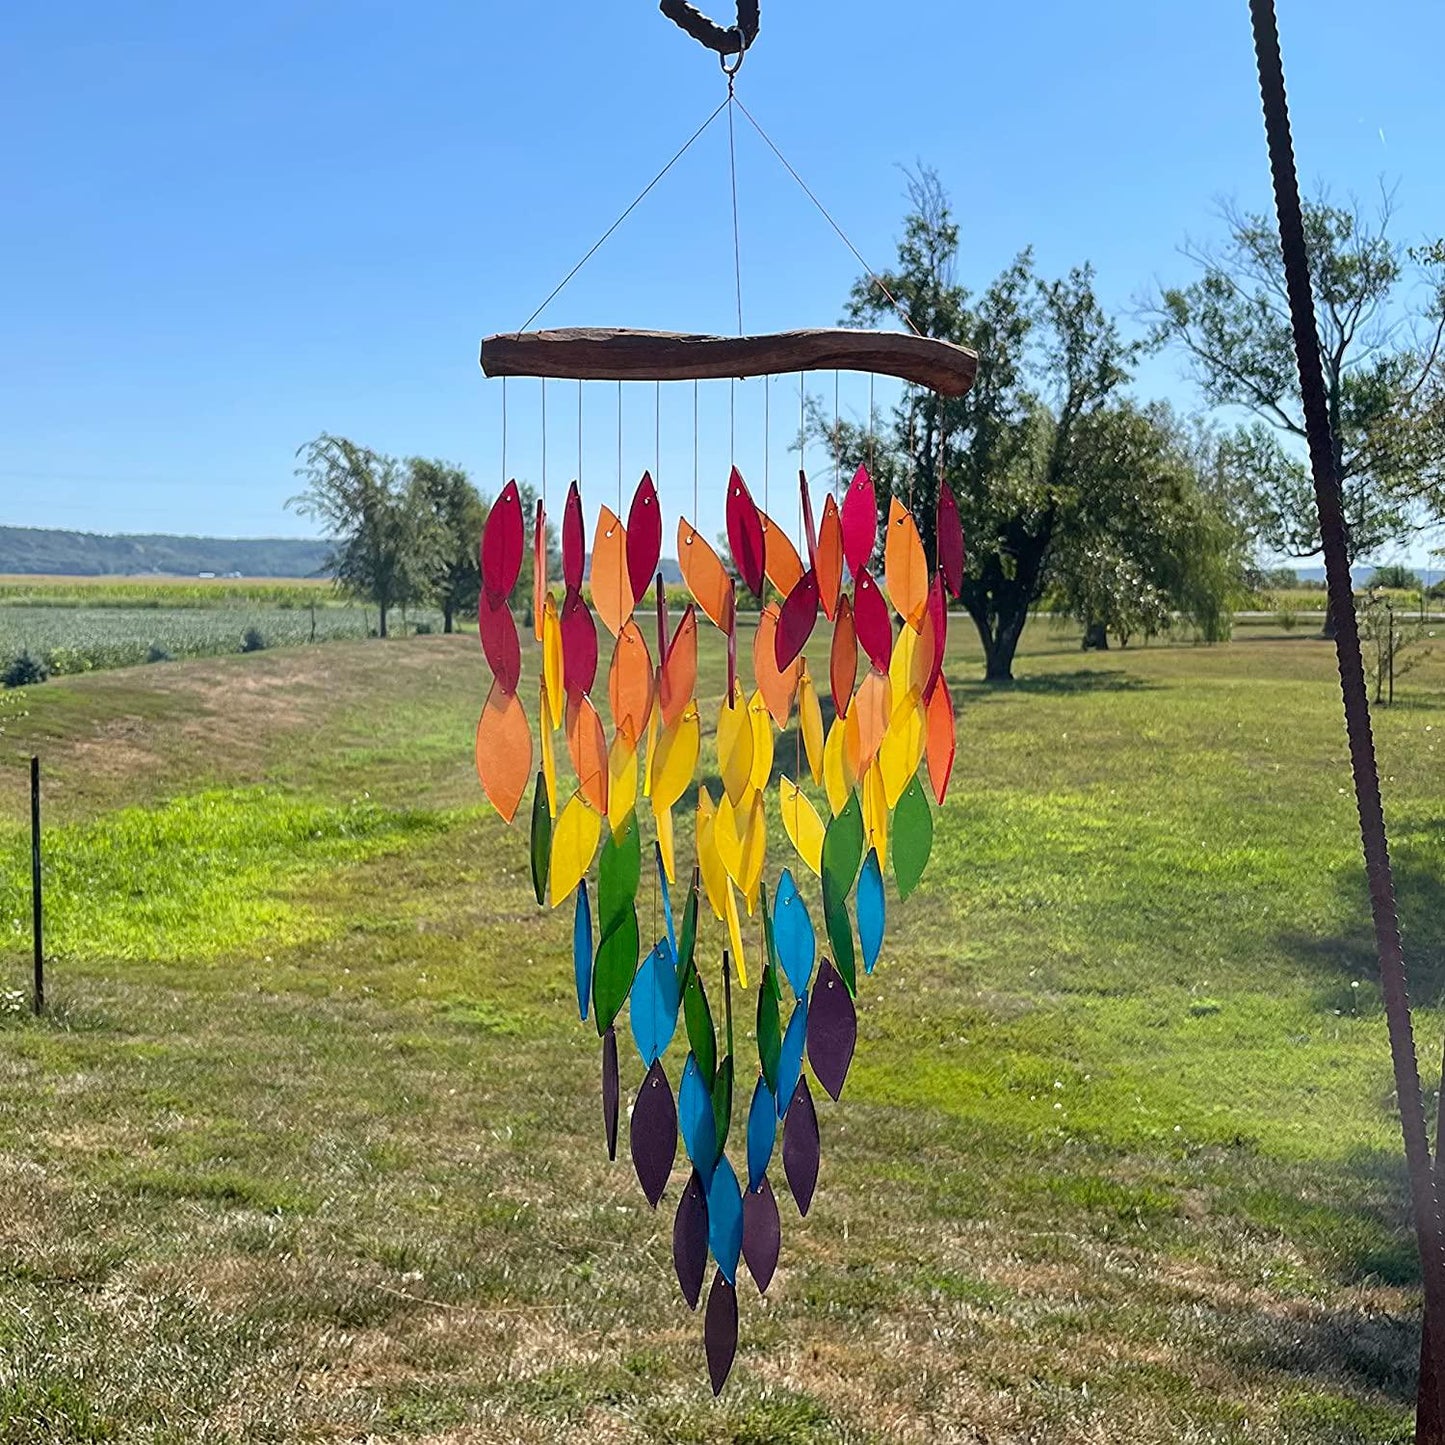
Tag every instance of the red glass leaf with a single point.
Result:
(745, 534)
(843, 664)
(503, 541)
(828, 566)
(644, 537)
(796, 622)
(810, 532)
(871, 618)
(498, 630)
(951, 554)
(539, 567)
(860, 521)
(938, 617)
(579, 645)
(574, 541)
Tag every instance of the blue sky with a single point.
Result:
(230, 228)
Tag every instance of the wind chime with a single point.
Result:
(853, 802)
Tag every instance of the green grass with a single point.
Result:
(309, 1148)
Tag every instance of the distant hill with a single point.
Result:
(35, 550)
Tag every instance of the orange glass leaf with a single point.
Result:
(830, 559)
(843, 664)
(611, 587)
(504, 751)
(587, 746)
(629, 684)
(942, 742)
(867, 721)
(905, 568)
(781, 561)
(677, 678)
(777, 687)
(706, 577)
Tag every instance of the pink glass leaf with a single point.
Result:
(951, 555)
(810, 532)
(574, 541)
(745, 534)
(504, 538)
(871, 618)
(860, 521)
(498, 631)
(579, 645)
(644, 537)
(938, 613)
(796, 621)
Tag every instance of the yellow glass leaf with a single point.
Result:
(621, 781)
(752, 825)
(902, 749)
(549, 749)
(504, 750)
(611, 585)
(735, 746)
(710, 864)
(762, 769)
(902, 667)
(802, 824)
(665, 841)
(574, 844)
(875, 813)
(727, 838)
(677, 752)
(652, 734)
(810, 720)
(836, 781)
(552, 663)
(905, 568)
(735, 936)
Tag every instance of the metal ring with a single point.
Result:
(731, 70)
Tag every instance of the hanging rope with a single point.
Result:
(1329, 503)
(504, 431)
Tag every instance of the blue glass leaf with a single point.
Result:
(654, 1004)
(793, 934)
(582, 949)
(694, 1118)
(790, 1062)
(762, 1133)
(725, 1219)
(872, 910)
(666, 901)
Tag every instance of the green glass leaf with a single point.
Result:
(541, 839)
(840, 935)
(619, 873)
(770, 1032)
(722, 1102)
(773, 972)
(687, 940)
(912, 837)
(843, 847)
(616, 967)
(701, 1033)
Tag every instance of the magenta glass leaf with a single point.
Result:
(579, 645)
(644, 537)
(796, 620)
(689, 1239)
(574, 541)
(498, 631)
(503, 541)
(720, 1331)
(745, 534)
(832, 1029)
(611, 1089)
(860, 521)
(872, 621)
(654, 1133)
(801, 1146)
(951, 554)
(810, 532)
(938, 610)
(762, 1234)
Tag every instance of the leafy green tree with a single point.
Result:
(1396, 576)
(1380, 310)
(458, 515)
(384, 541)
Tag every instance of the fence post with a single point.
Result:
(37, 916)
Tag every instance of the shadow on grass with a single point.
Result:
(1057, 684)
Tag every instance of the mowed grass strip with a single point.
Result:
(1118, 1159)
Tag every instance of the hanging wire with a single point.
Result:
(619, 448)
(837, 440)
(579, 434)
(732, 420)
(695, 517)
(871, 456)
(657, 434)
(733, 173)
(504, 431)
(544, 446)
(767, 434)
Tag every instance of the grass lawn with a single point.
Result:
(310, 1147)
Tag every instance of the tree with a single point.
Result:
(1026, 451)
(458, 515)
(384, 541)
(1380, 310)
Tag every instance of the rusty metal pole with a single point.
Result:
(1330, 503)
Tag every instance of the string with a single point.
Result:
(657, 434)
(873, 276)
(544, 446)
(837, 440)
(767, 434)
(641, 196)
(733, 173)
(579, 435)
(619, 448)
(871, 464)
(695, 517)
(504, 431)
(732, 420)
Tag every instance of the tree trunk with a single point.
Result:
(1096, 638)
(447, 617)
(381, 626)
(999, 646)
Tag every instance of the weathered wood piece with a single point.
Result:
(615, 354)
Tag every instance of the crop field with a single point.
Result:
(309, 1146)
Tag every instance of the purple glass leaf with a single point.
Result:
(801, 1146)
(644, 537)
(860, 521)
(574, 541)
(796, 621)
(579, 645)
(689, 1239)
(832, 1028)
(498, 630)
(720, 1331)
(762, 1234)
(504, 536)
(611, 1089)
(872, 620)
(950, 540)
(654, 1133)
(745, 534)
